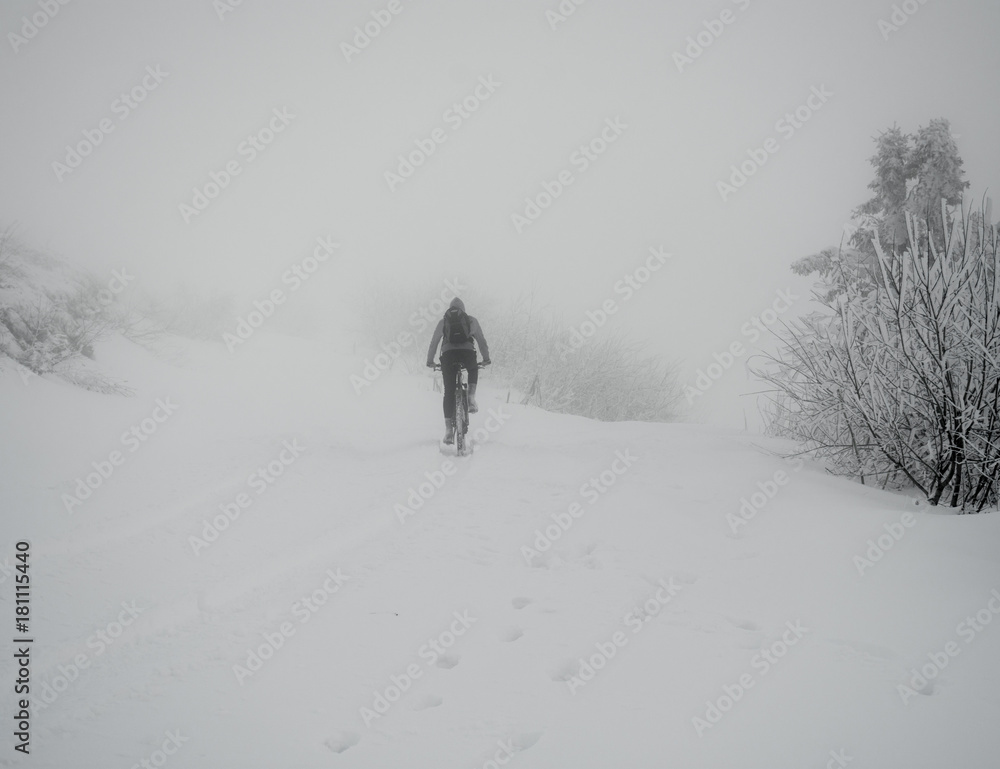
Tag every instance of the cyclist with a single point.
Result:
(456, 332)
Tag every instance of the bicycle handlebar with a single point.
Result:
(480, 364)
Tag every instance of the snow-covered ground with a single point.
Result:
(334, 623)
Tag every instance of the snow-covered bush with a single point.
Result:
(606, 377)
(47, 333)
(52, 314)
(898, 380)
(183, 311)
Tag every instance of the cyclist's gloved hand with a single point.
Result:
(486, 361)
(430, 364)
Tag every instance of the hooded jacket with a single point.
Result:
(474, 328)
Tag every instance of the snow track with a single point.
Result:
(548, 603)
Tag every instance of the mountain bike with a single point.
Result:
(462, 446)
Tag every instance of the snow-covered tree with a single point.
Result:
(916, 175)
(898, 381)
(885, 209)
(934, 173)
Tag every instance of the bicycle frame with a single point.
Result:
(461, 408)
(461, 411)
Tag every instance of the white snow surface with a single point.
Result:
(504, 688)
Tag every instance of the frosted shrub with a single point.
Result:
(898, 381)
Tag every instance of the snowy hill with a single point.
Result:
(268, 570)
(51, 313)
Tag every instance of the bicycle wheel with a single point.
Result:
(461, 419)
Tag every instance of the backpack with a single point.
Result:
(457, 328)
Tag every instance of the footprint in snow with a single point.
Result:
(549, 560)
(448, 660)
(676, 578)
(752, 638)
(341, 741)
(866, 653)
(743, 624)
(511, 634)
(428, 701)
(520, 603)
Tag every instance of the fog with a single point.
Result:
(333, 114)
(245, 535)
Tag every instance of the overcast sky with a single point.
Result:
(545, 87)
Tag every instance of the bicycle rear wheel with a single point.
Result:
(461, 419)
